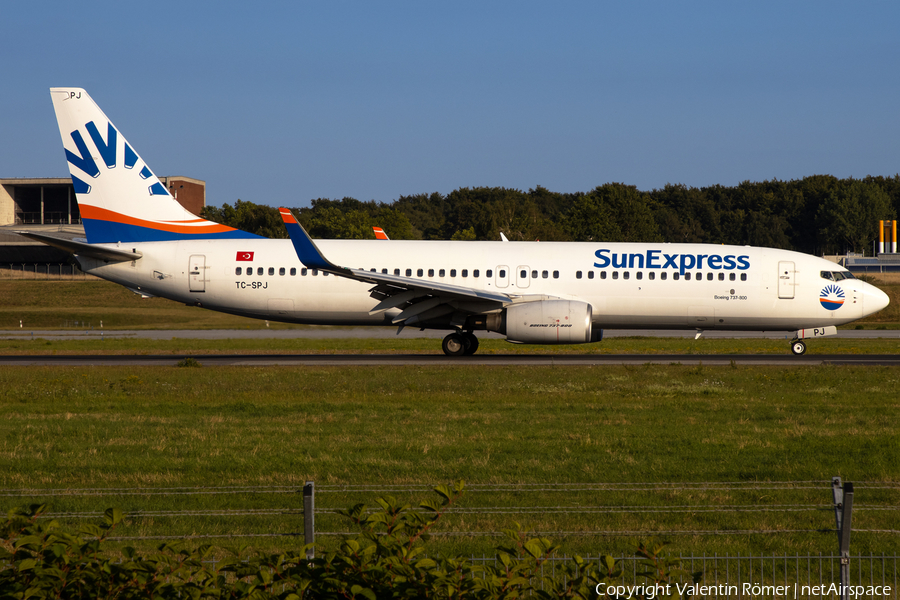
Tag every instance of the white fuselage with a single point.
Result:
(672, 286)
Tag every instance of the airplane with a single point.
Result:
(137, 235)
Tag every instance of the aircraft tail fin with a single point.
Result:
(119, 197)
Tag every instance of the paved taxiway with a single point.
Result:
(259, 360)
(426, 359)
(325, 332)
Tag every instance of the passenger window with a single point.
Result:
(501, 273)
(315, 272)
(651, 275)
(475, 273)
(699, 276)
(663, 276)
(577, 274)
(384, 272)
(488, 273)
(534, 274)
(441, 273)
(409, 272)
(465, 272)
(545, 274)
(626, 275)
(431, 272)
(271, 270)
(419, 273)
(397, 272)
(709, 276)
(303, 272)
(238, 271)
(675, 276)
(452, 272)
(281, 271)
(721, 276)
(687, 277)
(731, 277)
(293, 271)
(615, 274)
(259, 271)
(373, 270)
(602, 274)
(590, 274)
(555, 274)
(523, 274)
(743, 277)
(639, 275)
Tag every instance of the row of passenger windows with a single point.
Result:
(651, 275)
(523, 274)
(260, 271)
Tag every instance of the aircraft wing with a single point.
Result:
(418, 299)
(83, 249)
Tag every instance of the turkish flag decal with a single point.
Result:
(244, 256)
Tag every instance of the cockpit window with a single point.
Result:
(836, 275)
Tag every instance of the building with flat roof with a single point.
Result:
(48, 205)
(51, 200)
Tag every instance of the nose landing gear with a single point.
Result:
(798, 347)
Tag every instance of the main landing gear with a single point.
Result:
(460, 343)
(798, 347)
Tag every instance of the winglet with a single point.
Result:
(306, 249)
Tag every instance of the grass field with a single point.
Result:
(494, 427)
(539, 446)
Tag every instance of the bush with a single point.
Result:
(40, 560)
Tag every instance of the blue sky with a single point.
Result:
(282, 102)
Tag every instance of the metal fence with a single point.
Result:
(290, 511)
(41, 271)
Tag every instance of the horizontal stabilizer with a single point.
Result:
(81, 249)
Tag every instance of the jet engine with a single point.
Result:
(547, 322)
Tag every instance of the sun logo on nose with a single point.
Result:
(831, 297)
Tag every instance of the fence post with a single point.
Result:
(843, 512)
(309, 516)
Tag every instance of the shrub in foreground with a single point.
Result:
(39, 559)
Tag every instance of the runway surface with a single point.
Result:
(325, 332)
(348, 360)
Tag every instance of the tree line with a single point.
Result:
(820, 214)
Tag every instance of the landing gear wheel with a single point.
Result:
(454, 345)
(798, 347)
(471, 343)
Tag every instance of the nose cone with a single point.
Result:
(874, 299)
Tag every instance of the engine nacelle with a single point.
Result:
(550, 322)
